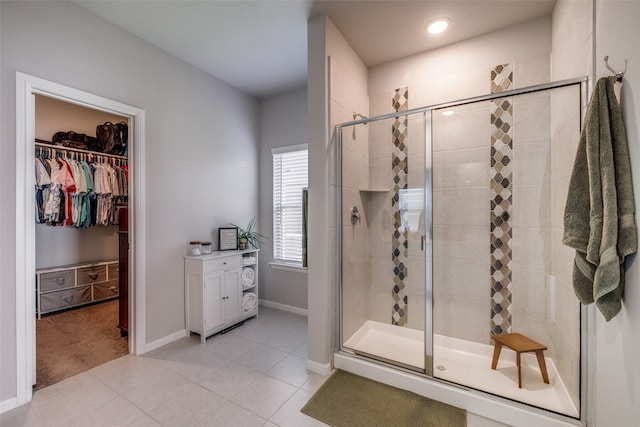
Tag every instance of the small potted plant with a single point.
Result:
(248, 237)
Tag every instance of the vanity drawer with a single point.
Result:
(105, 290)
(94, 274)
(57, 280)
(113, 271)
(225, 263)
(66, 298)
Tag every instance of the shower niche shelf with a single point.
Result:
(374, 190)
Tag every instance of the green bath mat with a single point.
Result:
(348, 400)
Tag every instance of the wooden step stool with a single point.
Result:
(520, 344)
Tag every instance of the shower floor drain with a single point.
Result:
(441, 368)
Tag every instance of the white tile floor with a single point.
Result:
(254, 375)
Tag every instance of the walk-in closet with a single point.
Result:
(81, 238)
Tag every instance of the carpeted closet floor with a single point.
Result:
(74, 341)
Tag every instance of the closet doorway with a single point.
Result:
(27, 294)
(81, 217)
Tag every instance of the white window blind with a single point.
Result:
(290, 177)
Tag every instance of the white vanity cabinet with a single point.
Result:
(214, 291)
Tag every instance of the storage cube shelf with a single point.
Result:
(59, 288)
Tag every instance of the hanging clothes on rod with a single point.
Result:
(78, 189)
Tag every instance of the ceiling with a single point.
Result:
(260, 46)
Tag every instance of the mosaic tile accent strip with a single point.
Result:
(501, 77)
(399, 239)
(501, 211)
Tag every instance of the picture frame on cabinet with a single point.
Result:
(228, 238)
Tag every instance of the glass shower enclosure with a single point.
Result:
(451, 224)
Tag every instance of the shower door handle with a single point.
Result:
(423, 242)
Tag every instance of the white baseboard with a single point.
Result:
(165, 340)
(284, 307)
(8, 405)
(319, 368)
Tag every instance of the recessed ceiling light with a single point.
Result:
(448, 113)
(438, 25)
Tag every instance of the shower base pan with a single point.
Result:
(466, 363)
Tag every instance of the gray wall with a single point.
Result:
(283, 122)
(321, 312)
(201, 146)
(57, 246)
(616, 375)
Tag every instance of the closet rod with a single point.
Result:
(78, 150)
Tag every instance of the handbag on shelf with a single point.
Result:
(122, 138)
(74, 140)
(112, 138)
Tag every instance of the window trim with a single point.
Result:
(278, 263)
(289, 148)
(288, 266)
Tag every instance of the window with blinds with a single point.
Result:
(290, 177)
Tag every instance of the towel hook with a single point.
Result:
(618, 74)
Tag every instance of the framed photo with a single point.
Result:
(228, 239)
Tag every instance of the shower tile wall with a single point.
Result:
(462, 177)
(571, 54)
(399, 239)
(397, 262)
(355, 238)
(565, 338)
(461, 156)
(531, 219)
(461, 258)
(501, 200)
(501, 78)
(415, 282)
(380, 220)
(345, 99)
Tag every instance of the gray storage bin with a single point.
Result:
(113, 270)
(105, 290)
(57, 280)
(92, 274)
(66, 298)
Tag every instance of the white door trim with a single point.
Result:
(26, 88)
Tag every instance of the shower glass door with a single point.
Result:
(501, 170)
(382, 247)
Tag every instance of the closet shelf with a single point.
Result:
(52, 146)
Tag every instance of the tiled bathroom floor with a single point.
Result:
(254, 375)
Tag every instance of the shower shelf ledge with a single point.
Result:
(374, 190)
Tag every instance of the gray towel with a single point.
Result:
(599, 215)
